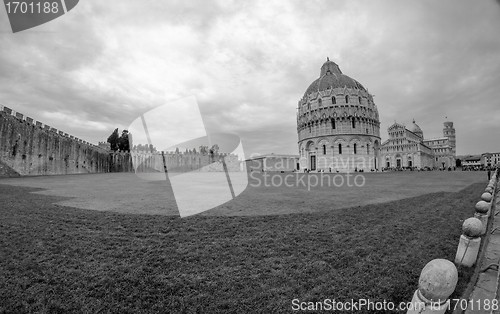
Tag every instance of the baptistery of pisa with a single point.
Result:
(338, 124)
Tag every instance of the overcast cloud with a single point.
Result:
(249, 62)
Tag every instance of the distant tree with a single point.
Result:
(113, 140)
(214, 150)
(123, 143)
(458, 163)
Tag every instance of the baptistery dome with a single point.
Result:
(331, 77)
(337, 124)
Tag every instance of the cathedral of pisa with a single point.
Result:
(339, 131)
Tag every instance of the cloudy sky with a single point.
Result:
(104, 63)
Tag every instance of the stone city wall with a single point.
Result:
(29, 147)
(184, 162)
(32, 148)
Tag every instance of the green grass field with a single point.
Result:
(254, 254)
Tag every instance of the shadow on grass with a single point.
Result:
(58, 259)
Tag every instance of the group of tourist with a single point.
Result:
(418, 169)
(478, 168)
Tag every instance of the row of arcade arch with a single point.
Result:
(347, 152)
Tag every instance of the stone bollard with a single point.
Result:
(482, 205)
(486, 197)
(470, 240)
(436, 283)
(489, 190)
(483, 213)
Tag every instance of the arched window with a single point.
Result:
(324, 149)
(368, 148)
(340, 148)
(309, 106)
(353, 123)
(309, 129)
(346, 99)
(355, 148)
(333, 124)
(319, 102)
(334, 100)
(359, 98)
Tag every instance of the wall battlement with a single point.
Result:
(39, 124)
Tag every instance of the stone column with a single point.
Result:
(332, 162)
(350, 156)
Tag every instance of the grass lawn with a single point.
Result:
(126, 193)
(56, 259)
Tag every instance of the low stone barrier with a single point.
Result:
(439, 277)
(482, 294)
